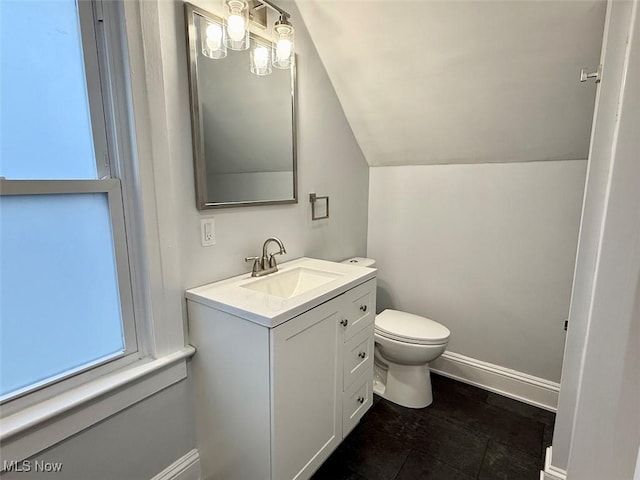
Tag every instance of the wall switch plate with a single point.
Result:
(207, 231)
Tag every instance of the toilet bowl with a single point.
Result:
(405, 344)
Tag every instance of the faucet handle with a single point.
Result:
(272, 260)
(256, 263)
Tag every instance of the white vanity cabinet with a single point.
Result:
(274, 402)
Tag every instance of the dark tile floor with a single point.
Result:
(466, 433)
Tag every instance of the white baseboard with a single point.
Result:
(510, 383)
(550, 472)
(186, 467)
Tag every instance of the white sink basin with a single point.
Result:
(300, 285)
(292, 283)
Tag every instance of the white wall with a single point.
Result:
(487, 250)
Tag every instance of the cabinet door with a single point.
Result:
(306, 376)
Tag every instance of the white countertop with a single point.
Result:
(268, 310)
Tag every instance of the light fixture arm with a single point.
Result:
(284, 15)
(238, 13)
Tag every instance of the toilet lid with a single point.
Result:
(404, 326)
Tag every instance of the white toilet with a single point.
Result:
(404, 346)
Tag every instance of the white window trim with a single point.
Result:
(157, 299)
(42, 425)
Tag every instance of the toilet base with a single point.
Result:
(405, 385)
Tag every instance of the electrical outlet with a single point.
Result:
(207, 231)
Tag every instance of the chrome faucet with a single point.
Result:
(266, 264)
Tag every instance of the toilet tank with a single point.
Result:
(361, 262)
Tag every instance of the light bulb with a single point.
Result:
(261, 57)
(236, 27)
(283, 44)
(214, 36)
(283, 49)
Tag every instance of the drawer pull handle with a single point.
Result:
(362, 354)
(363, 308)
(344, 322)
(360, 400)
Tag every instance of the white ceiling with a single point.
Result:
(432, 82)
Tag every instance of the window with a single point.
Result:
(66, 303)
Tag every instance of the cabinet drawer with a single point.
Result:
(356, 401)
(358, 356)
(359, 308)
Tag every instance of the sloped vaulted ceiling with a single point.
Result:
(432, 82)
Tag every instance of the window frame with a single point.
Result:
(129, 38)
(103, 68)
(110, 187)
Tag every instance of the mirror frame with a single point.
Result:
(199, 161)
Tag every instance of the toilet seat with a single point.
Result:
(409, 328)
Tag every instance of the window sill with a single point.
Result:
(40, 426)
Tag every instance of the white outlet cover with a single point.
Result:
(207, 231)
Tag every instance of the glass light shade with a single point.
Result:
(237, 24)
(260, 57)
(283, 46)
(212, 37)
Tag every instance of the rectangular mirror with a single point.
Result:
(243, 125)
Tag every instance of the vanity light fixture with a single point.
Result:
(216, 38)
(282, 43)
(236, 21)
